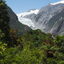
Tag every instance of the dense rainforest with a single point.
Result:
(33, 47)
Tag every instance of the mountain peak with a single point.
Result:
(59, 2)
(28, 13)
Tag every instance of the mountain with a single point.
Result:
(28, 17)
(34, 47)
(46, 14)
(15, 24)
(33, 11)
(48, 19)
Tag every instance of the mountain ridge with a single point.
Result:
(44, 15)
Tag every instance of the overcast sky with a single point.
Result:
(19, 6)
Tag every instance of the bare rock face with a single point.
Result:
(58, 26)
(49, 19)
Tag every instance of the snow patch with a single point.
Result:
(28, 13)
(60, 2)
(26, 21)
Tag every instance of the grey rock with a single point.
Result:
(50, 19)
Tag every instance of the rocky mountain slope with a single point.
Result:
(15, 24)
(27, 18)
(48, 19)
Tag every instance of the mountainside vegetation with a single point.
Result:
(33, 47)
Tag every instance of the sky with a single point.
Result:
(19, 6)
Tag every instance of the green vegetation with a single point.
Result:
(34, 47)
